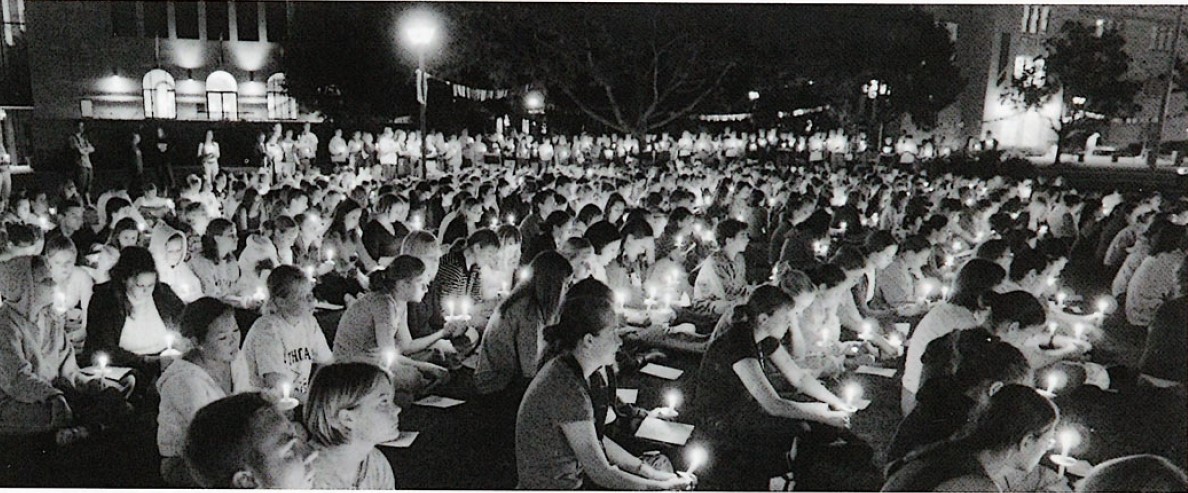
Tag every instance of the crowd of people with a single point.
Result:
(202, 303)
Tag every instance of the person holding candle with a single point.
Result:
(559, 433)
(169, 250)
(43, 390)
(215, 264)
(899, 285)
(1153, 282)
(124, 233)
(284, 344)
(964, 309)
(386, 225)
(376, 325)
(205, 374)
(1019, 319)
(758, 429)
(1013, 433)
(721, 279)
(460, 273)
(130, 316)
(350, 411)
(244, 441)
(74, 286)
(507, 355)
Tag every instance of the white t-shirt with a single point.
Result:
(942, 319)
(144, 334)
(273, 345)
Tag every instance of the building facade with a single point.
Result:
(996, 42)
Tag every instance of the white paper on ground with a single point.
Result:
(874, 370)
(405, 440)
(903, 328)
(113, 372)
(661, 371)
(611, 416)
(438, 402)
(628, 396)
(664, 431)
(1097, 376)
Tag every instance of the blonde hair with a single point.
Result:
(334, 388)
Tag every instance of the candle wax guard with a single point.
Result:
(287, 403)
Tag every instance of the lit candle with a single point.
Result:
(511, 219)
(1079, 330)
(287, 401)
(620, 298)
(680, 241)
(1052, 326)
(261, 294)
(1051, 281)
(524, 274)
(774, 271)
(330, 254)
(169, 352)
(59, 301)
(1061, 297)
(389, 358)
(672, 398)
(1104, 305)
(1053, 380)
(895, 340)
(101, 360)
(867, 330)
(851, 392)
(309, 271)
(949, 259)
(1068, 439)
(451, 309)
(842, 225)
(697, 457)
(494, 223)
(944, 292)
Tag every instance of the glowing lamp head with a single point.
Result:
(524, 274)
(419, 31)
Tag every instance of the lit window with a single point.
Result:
(280, 105)
(1035, 19)
(13, 12)
(1099, 27)
(1162, 37)
(160, 99)
(222, 96)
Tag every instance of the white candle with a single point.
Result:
(524, 274)
(451, 309)
(697, 457)
(511, 219)
(680, 241)
(842, 225)
(895, 340)
(1079, 330)
(851, 393)
(329, 254)
(1061, 297)
(867, 330)
(1053, 380)
(672, 398)
(286, 389)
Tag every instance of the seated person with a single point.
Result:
(350, 411)
(1144, 472)
(42, 389)
(1014, 432)
(130, 315)
(374, 329)
(244, 441)
(721, 281)
(559, 427)
(283, 345)
(1019, 319)
(507, 355)
(898, 284)
(1164, 362)
(758, 428)
(204, 375)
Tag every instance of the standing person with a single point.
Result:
(5, 174)
(354, 149)
(339, 152)
(208, 155)
(307, 147)
(260, 151)
(136, 163)
(202, 376)
(559, 430)
(163, 162)
(82, 149)
(289, 152)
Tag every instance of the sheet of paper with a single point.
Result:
(113, 372)
(862, 404)
(405, 440)
(664, 431)
(628, 396)
(438, 402)
(471, 361)
(903, 327)
(325, 305)
(611, 416)
(661, 371)
(874, 370)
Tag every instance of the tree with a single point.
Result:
(632, 68)
(1086, 73)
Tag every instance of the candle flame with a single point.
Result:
(697, 457)
(672, 398)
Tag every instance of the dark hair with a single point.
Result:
(124, 224)
(1015, 306)
(113, 205)
(1146, 472)
(792, 281)
(849, 258)
(1025, 261)
(1015, 412)
(210, 247)
(914, 243)
(828, 275)
(601, 234)
(636, 228)
(483, 238)
(509, 234)
(404, 267)
(338, 223)
(542, 289)
(282, 280)
(992, 250)
(58, 242)
(578, 316)
(133, 262)
(1170, 238)
(766, 300)
(589, 212)
(728, 229)
(878, 241)
(218, 441)
(197, 317)
(976, 278)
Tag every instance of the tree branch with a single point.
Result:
(672, 116)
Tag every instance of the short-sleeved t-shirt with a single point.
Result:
(273, 345)
(721, 394)
(544, 458)
(375, 473)
(356, 338)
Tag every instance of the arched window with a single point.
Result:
(160, 100)
(222, 96)
(280, 105)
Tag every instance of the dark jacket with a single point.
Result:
(105, 324)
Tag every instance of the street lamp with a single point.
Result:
(419, 32)
(874, 90)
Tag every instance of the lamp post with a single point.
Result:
(874, 90)
(419, 32)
